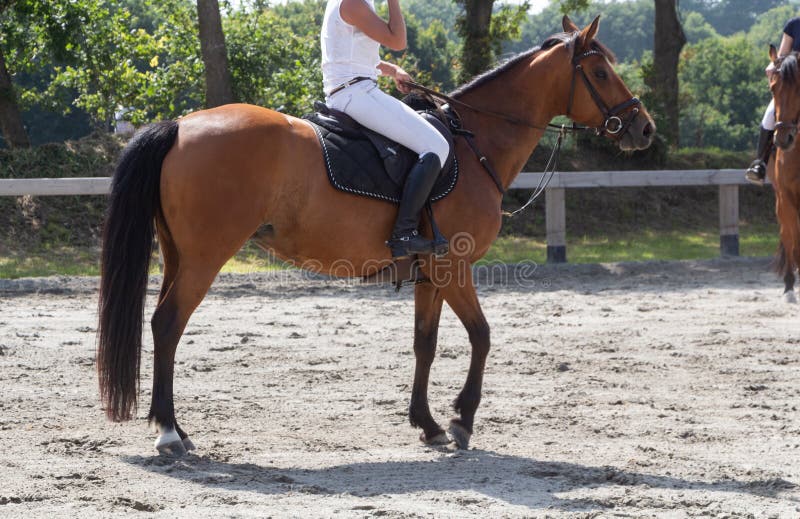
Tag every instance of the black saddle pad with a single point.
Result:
(362, 162)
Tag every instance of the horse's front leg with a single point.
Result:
(427, 311)
(463, 299)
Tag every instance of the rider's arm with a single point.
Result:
(391, 34)
(786, 45)
(395, 72)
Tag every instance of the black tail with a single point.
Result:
(125, 262)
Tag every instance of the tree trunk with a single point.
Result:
(215, 57)
(669, 40)
(10, 117)
(474, 26)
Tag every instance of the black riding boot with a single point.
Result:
(757, 171)
(406, 239)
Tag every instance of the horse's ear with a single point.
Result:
(588, 33)
(773, 53)
(569, 25)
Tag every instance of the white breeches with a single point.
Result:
(384, 114)
(768, 122)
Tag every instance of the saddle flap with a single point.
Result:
(364, 162)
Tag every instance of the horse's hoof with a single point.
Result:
(173, 449)
(459, 433)
(188, 445)
(439, 439)
(170, 444)
(789, 297)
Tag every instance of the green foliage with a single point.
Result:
(99, 60)
(480, 45)
(625, 27)
(723, 92)
(507, 25)
(732, 16)
(769, 28)
(272, 64)
(696, 28)
(573, 6)
(431, 56)
(435, 11)
(435, 54)
(98, 56)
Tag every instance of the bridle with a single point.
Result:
(613, 124)
(792, 127)
(783, 125)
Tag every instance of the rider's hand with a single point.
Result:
(401, 77)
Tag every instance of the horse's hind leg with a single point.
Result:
(463, 300)
(428, 309)
(788, 287)
(176, 305)
(785, 267)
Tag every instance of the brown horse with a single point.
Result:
(216, 178)
(785, 174)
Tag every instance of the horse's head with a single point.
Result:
(596, 96)
(785, 88)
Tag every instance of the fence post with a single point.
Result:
(729, 220)
(556, 223)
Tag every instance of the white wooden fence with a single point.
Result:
(728, 181)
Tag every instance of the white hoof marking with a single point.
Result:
(169, 443)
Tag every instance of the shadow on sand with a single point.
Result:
(511, 479)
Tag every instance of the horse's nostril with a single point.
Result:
(648, 130)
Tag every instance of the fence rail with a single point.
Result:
(728, 181)
(55, 186)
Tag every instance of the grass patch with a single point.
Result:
(755, 240)
(252, 259)
(61, 261)
(77, 261)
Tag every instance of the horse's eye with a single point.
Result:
(600, 74)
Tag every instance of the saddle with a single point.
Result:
(363, 162)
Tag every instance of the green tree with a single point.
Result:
(723, 92)
(769, 27)
(484, 35)
(731, 16)
(272, 64)
(697, 28)
(107, 63)
(625, 27)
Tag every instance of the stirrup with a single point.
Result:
(409, 244)
(756, 173)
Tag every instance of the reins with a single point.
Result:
(508, 118)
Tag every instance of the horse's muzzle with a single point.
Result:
(639, 135)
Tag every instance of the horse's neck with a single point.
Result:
(508, 145)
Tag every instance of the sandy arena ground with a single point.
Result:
(628, 390)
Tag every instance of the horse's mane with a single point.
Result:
(563, 37)
(788, 69)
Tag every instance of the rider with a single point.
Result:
(351, 36)
(758, 169)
